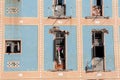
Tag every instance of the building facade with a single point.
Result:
(59, 39)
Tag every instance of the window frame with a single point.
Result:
(13, 40)
(54, 31)
(103, 44)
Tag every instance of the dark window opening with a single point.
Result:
(13, 46)
(99, 2)
(97, 39)
(60, 2)
(60, 35)
(98, 51)
(60, 51)
(59, 8)
(98, 44)
(59, 48)
(97, 62)
(59, 54)
(60, 42)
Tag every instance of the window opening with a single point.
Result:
(59, 48)
(59, 10)
(60, 2)
(13, 46)
(99, 2)
(98, 44)
(97, 10)
(98, 50)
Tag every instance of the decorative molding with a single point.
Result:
(13, 64)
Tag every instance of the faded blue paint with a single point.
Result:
(71, 48)
(107, 8)
(109, 46)
(48, 49)
(48, 8)
(27, 8)
(86, 8)
(70, 8)
(29, 57)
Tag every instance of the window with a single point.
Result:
(60, 2)
(13, 46)
(59, 10)
(98, 52)
(59, 53)
(59, 48)
(97, 8)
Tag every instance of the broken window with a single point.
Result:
(59, 48)
(13, 46)
(97, 39)
(59, 9)
(97, 8)
(98, 51)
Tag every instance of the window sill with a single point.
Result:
(13, 53)
(96, 17)
(60, 70)
(61, 17)
(98, 71)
